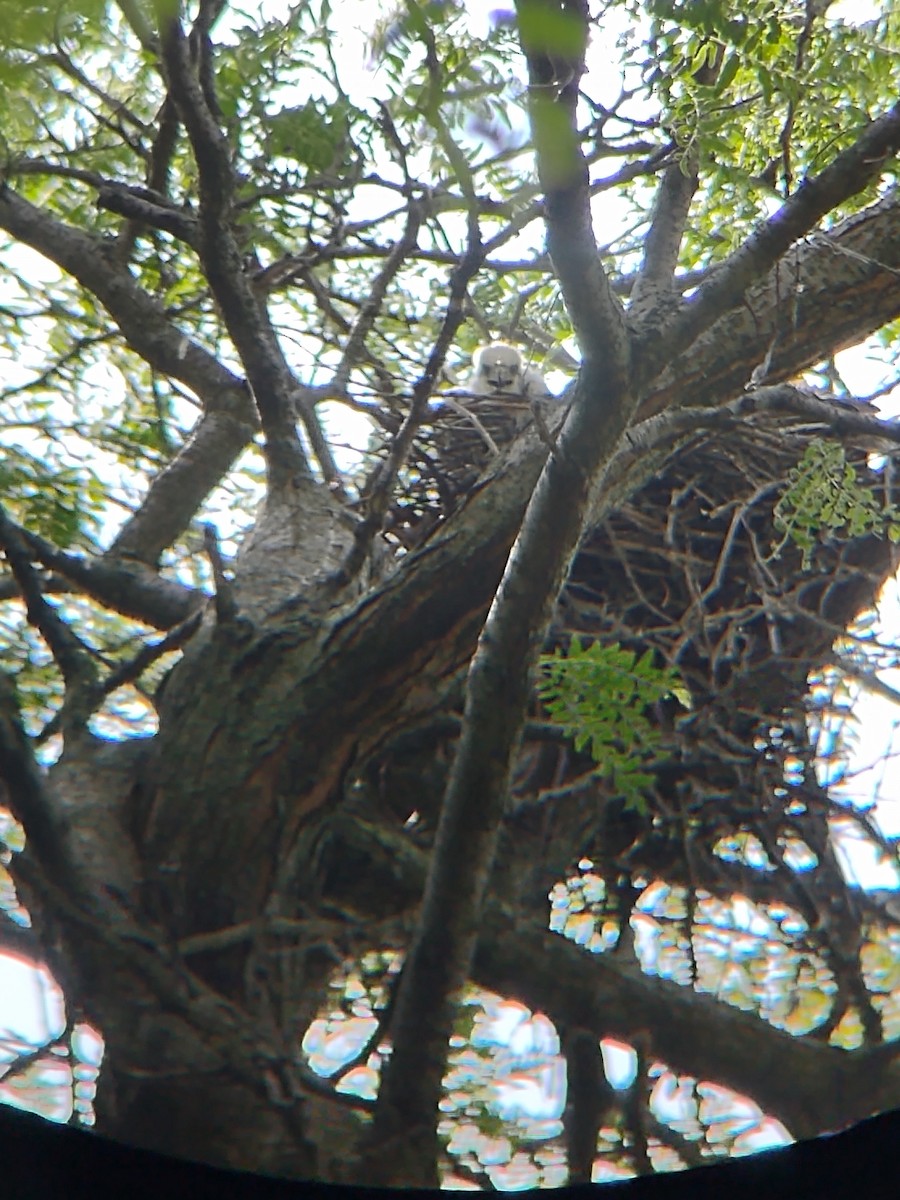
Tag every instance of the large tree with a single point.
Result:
(342, 750)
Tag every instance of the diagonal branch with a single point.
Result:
(178, 491)
(377, 292)
(380, 494)
(143, 320)
(841, 420)
(127, 588)
(228, 423)
(85, 691)
(147, 210)
(245, 317)
(809, 1085)
(849, 174)
(828, 292)
(71, 655)
(127, 672)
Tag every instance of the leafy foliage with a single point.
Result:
(599, 695)
(826, 498)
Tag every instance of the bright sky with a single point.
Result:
(873, 775)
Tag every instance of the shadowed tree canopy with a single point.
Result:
(323, 673)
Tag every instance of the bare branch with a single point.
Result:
(61, 59)
(72, 656)
(127, 672)
(596, 314)
(372, 305)
(127, 587)
(305, 402)
(654, 285)
(178, 491)
(144, 323)
(245, 317)
(226, 607)
(870, 682)
(28, 797)
(379, 496)
(841, 420)
(166, 217)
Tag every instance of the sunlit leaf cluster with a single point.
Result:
(599, 694)
(825, 498)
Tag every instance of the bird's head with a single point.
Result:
(500, 366)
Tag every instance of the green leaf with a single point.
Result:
(312, 133)
(600, 695)
(825, 497)
(728, 72)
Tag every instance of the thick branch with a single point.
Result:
(144, 323)
(128, 588)
(654, 285)
(499, 680)
(148, 211)
(848, 175)
(197, 1028)
(181, 487)
(596, 314)
(808, 1085)
(827, 293)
